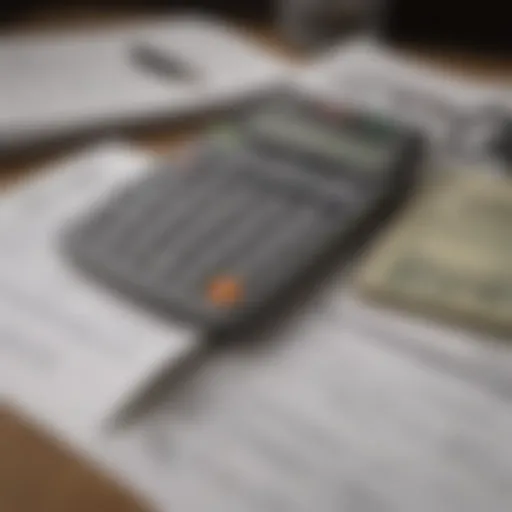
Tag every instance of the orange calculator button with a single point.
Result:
(225, 291)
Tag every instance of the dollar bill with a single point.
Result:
(450, 254)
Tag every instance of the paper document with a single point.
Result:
(325, 415)
(163, 69)
(70, 349)
(457, 114)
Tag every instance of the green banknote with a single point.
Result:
(450, 254)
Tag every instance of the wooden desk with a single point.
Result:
(36, 475)
(39, 475)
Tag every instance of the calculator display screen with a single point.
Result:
(338, 143)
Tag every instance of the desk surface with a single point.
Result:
(38, 475)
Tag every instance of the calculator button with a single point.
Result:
(225, 291)
(253, 227)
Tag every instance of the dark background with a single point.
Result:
(483, 26)
(452, 24)
(254, 10)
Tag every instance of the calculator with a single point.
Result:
(218, 238)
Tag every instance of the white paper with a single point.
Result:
(52, 85)
(325, 416)
(457, 114)
(72, 351)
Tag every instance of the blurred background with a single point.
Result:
(305, 22)
(309, 23)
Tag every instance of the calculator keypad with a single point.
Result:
(217, 239)
(165, 247)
